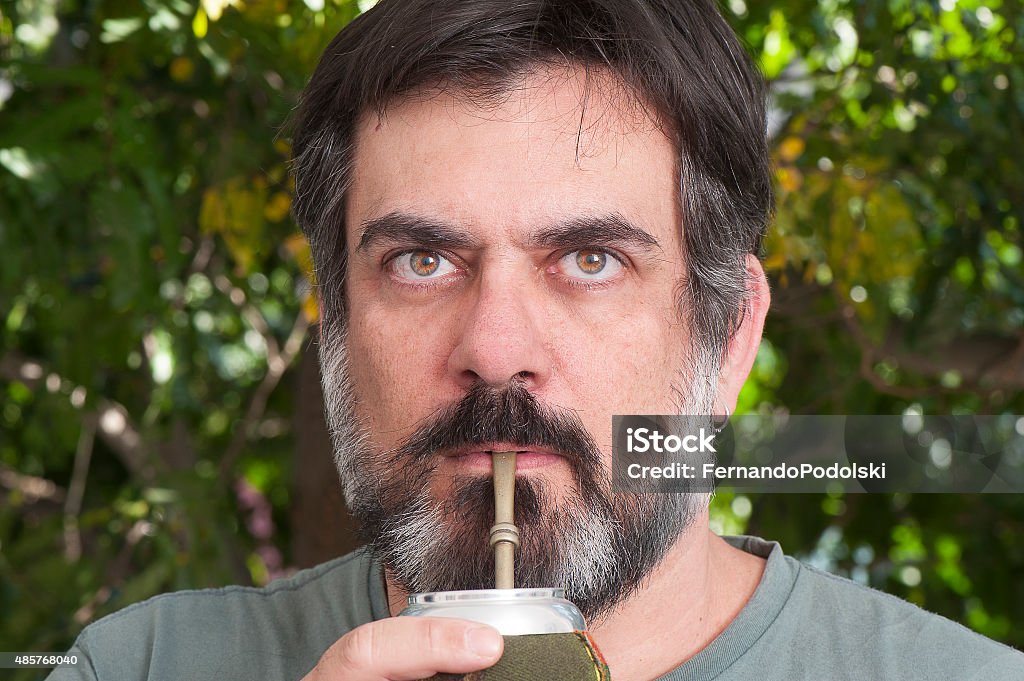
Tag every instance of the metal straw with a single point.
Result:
(504, 533)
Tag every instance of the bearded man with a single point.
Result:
(528, 216)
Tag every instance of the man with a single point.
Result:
(528, 216)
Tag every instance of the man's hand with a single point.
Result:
(407, 648)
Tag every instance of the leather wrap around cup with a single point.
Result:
(542, 657)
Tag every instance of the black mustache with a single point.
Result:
(512, 415)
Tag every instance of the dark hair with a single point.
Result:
(678, 57)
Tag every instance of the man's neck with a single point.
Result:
(692, 595)
(688, 599)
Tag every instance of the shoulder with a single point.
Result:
(233, 631)
(278, 600)
(881, 631)
(804, 623)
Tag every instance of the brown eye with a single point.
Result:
(591, 262)
(421, 267)
(424, 263)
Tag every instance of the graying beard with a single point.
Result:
(587, 564)
(349, 439)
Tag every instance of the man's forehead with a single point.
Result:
(588, 100)
(557, 144)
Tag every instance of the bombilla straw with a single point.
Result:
(504, 533)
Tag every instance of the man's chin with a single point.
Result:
(593, 549)
(444, 545)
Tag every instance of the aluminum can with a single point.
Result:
(513, 612)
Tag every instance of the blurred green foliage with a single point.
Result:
(154, 291)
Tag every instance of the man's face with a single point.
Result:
(522, 258)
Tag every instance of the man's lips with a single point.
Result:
(479, 456)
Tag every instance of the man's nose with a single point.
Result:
(500, 338)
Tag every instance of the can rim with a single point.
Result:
(489, 595)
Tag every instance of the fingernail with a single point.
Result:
(483, 641)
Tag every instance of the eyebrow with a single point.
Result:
(397, 226)
(604, 230)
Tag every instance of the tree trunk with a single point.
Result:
(321, 525)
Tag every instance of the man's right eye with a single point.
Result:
(419, 266)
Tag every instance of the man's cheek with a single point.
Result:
(391, 398)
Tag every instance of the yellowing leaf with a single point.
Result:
(298, 248)
(235, 211)
(212, 217)
(311, 308)
(200, 24)
(181, 69)
(775, 261)
(277, 208)
(791, 148)
(790, 179)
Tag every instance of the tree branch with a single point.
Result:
(249, 313)
(985, 362)
(34, 488)
(115, 573)
(277, 364)
(115, 426)
(76, 490)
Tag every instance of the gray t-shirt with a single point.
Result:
(800, 623)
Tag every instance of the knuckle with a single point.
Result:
(441, 637)
(360, 647)
(371, 648)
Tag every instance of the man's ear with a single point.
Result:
(742, 350)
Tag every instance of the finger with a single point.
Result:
(407, 648)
